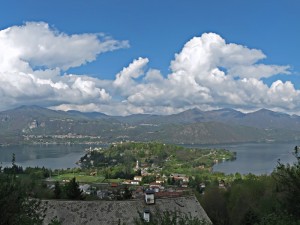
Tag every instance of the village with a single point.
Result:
(174, 185)
(161, 189)
(158, 171)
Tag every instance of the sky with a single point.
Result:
(157, 57)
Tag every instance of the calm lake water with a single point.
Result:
(256, 158)
(49, 156)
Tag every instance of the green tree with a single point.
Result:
(138, 172)
(14, 168)
(251, 217)
(15, 206)
(215, 204)
(13, 160)
(148, 179)
(73, 191)
(279, 218)
(250, 199)
(57, 190)
(127, 193)
(288, 185)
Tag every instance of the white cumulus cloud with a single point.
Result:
(33, 56)
(207, 73)
(37, 44)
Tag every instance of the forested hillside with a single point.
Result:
(33, 124)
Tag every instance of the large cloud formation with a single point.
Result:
(32, 58)
(208, 73)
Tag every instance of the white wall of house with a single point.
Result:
(149, 198)
(147, 216)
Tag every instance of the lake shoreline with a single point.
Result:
(257, 158)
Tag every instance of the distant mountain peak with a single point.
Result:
(29, 107)
(193, 111)
(79, 112)
(264, 111)
(226, 110)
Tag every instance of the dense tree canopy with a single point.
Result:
(288, 185)
(73, 191)
(257, 200)
(15, 206)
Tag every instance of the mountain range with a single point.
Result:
(34, 124)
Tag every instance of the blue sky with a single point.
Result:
(156, 31)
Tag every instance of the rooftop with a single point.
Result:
(113, 212)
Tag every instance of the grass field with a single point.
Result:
(113, 180)
(79, 178)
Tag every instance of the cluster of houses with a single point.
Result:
(137, 188)
(174, 185)
(144, 169)
(111, 191)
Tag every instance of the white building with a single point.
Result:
(147, 215)
(149, 197)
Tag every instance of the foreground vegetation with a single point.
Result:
(257, 200)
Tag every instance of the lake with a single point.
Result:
(49, 156)
(256, 158)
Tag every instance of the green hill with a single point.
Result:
(34, 124)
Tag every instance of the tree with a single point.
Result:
(138, 172)
(73, 191)
(297, 152)
(13, 160)
(57, 190)
(288, 185)
(15, 205)
(148, 179)
(127, 193)
(14, 167)
(171, 181)
(279, 218)
(250, 217)
(215, 205)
